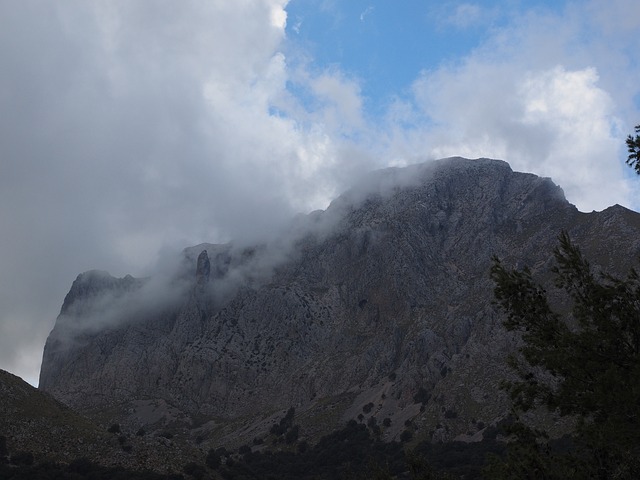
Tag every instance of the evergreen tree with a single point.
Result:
(583, 364)
(633, 146)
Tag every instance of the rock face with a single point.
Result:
(203, 268)
(382, 299)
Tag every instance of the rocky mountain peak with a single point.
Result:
(383, 299)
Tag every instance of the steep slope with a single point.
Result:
(33, 421)
(379, 306)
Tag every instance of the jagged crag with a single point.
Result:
(380, 306)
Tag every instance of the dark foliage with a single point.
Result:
(81, 469)
(115, 428)
(457, 459)
(584, 365)
(285, 423)
(194, 470)
(343, 454)
(4, 452)
(292, 434)
(350, 453)
(406, 435)
(421, 396)
(21, 458)
(213, 459)
(633, 147)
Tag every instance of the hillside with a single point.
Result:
(379, 307)
(33, 421)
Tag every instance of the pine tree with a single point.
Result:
(633, 146)
(584, 364)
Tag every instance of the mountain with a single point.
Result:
(380, 306)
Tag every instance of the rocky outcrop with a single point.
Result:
(203, 268)
(382, 299)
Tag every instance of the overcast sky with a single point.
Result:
(132, 127)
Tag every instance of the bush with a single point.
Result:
(140, 432)
(213, 459)
(421, 396)
(22, 458)
(406, 436)
(292, 435)
(115, 428)
(367, 408)
(82, 466)
(195, 470)
(386, 422)
(3, 449)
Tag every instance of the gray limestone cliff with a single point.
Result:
(382, 299)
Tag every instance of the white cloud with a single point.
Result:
(367, 11)
(465, 15)
(125, 128)
(550, 93)
(553, 122)
(343, 99)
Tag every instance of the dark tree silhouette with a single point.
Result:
(583, 364)
(633, 146)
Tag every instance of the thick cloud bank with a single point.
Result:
(131, 128)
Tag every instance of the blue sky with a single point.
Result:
(132, 129)
(385, 45)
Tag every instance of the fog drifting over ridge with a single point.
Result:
(126, 130)
(210, 275)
